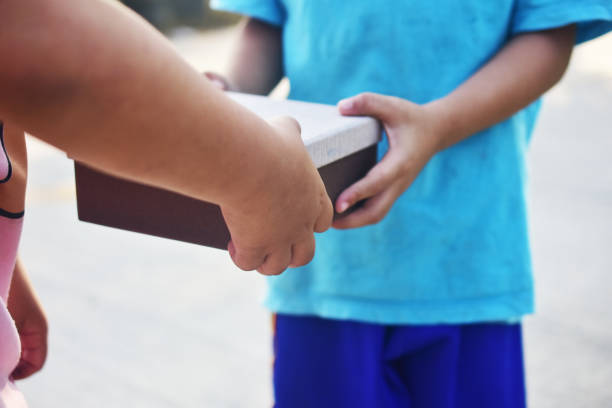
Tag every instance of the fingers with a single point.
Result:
(297, 255)
(303, 252)
(378, 179)
(373, 211)
(326, 215)
(218, 80)
(370, 104)
(23, 370)
(246, 259)
(276, 262)
(33, 354)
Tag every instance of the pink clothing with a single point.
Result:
(10, 231)
(5, 166)
(11, 397)
(10, 349)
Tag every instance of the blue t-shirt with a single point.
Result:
(454, 247)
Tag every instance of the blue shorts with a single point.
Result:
(322, 363)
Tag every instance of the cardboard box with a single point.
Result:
(342, 148)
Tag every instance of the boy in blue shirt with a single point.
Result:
(420, 305)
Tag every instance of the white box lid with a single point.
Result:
(327, 135)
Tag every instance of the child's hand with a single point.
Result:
(283, 215)
(413, 140)
(32, 327)
(272, 228)
(31, 322)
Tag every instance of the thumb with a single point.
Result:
(369, 104)
(286, 124)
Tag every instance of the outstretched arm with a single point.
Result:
(522, 71)
(99, 83)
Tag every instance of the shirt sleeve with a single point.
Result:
(592, 17)
(269, 11)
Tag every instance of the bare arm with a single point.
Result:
(106, 89)
(257, 61)
(522, 71)
(25, 308)
(99, 83)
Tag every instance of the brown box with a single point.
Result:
(343, 148)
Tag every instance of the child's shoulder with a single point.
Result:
(592, 17)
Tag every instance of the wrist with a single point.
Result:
(253, 172)
(448, 122)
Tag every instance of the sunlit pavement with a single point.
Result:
(138, 321)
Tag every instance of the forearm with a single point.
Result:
(22, 296)
(520, 73)
(20, 285)
(122, 100)
(256, 66)
(21, 289)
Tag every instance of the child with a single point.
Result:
(97, 82)
(422, 307)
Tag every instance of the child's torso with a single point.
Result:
(419, 50)
(458, 234)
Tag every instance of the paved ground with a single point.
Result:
(138, 321)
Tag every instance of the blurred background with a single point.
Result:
(138, 321)
(169, 14)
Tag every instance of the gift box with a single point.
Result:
(342, 148)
